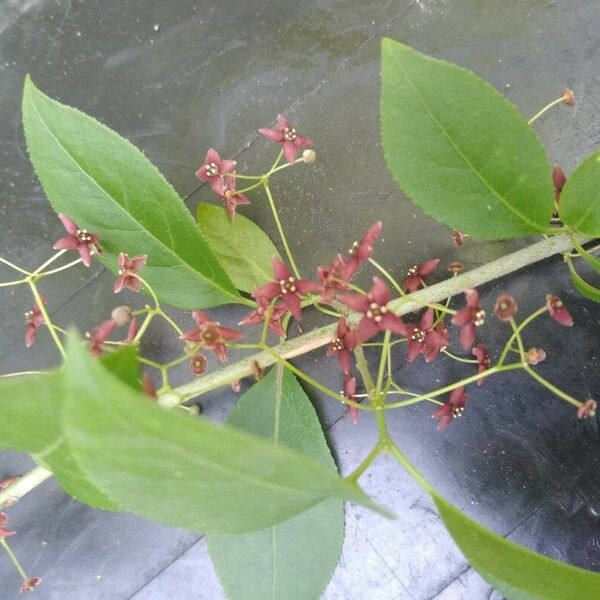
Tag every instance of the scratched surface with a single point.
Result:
(176, 77)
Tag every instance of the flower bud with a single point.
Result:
(587, 409)
(30, 584)
(458, 237)
(198, 364)
(505, 308)
(533, 356)
(121, 315)
(309, 156)
(455, 267)
(558, 178)
(568, 97)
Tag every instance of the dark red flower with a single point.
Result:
(484, 362)
(505, 308)
(33, 321)
(343, 344)
(214, 170)
(128, 268)
(452, 409)
(231, 197)
(587, 409)
(558, 311)
(30, 584)
(286, 287)
(362, 250)
(277, 312)
(210, 334)
(286, 135)
(376, 317)
(348, 393)
(198, 364)
(334, 277)
(424, 339)
(558, 179)
(78, 239)
(469, 318)
(99, 335)
(4, 531)
(414, 277)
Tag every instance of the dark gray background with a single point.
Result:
(214, 72)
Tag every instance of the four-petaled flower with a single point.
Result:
(424, 339)
(82, 240)
(30, 584)
(97, 336)
(452, 409)
(128, 268)
(342, 345)
(286, 287)
(377, 317)
(414, 276)
(231, 197)
(33, 321)
(469, 318)
(484, 362)
(558, 311)
(286, 135)
(211, 334)
(276, 314)
(348, 393)
(362, 250)
(505, 307)
(4, 531)
(214, 170)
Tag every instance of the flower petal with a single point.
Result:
(467, 335)
(280, 271)
(367, 328)
(427, 319)
(355, 302)
(273, 134)
(289, 151)
(414, 349)
(380, 291)
(69, 225)
(428, 267)
(69, 242)
(292, 302)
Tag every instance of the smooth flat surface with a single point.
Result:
(518, 461)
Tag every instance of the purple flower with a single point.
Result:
(484, 362)
(452, 409)
(277, 312)
(97, 336)
(33, 321)
(414, 277)
(376, 317)
(78, 239)
(342, 345)
(214, 170)
(469, 318)
(334, 277)
(362, 250)
(558, 311)
(424, 339)
(231, 197)
(286, 135)
(286, 287)
(210, 334)
(128, 268)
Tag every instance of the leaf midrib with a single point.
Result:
(97, 184)
(459, 151)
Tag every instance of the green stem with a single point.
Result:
(47, 321)
(556, 391)
(13, 266)
(59, 269)
(459, 358)
(543, 110)
(403, 461)
(366, 463)
(13, 558)
(388, 276)
(517, 331)
(280, 229)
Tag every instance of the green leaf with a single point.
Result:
(105, 184)
(243, 248)
(180, 470)
(293, 560)
(590, 259)
(582, 286)
(580, 198)
(460, 149)
(31, 406)
(516, 572)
